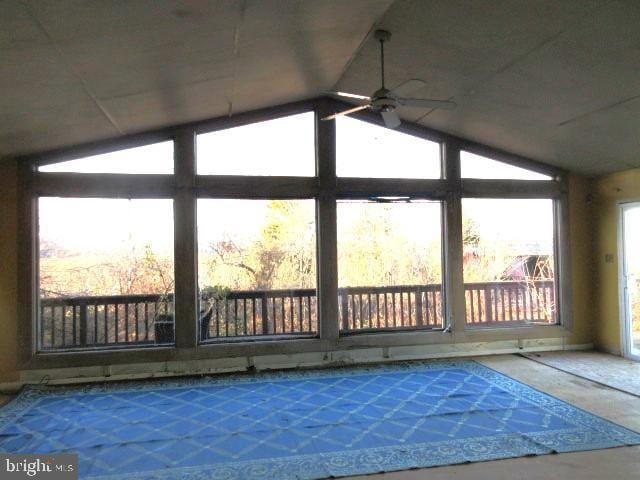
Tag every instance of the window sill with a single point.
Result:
(288, 346)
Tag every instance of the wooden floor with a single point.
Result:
(612, 464)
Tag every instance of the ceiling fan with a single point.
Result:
(386, 101)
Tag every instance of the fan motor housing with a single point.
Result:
(383, 104)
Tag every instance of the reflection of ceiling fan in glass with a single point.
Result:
(386, 101)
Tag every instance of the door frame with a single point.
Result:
(626, 338)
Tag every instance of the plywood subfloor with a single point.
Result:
(615, 372)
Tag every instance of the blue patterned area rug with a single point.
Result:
(300, 425)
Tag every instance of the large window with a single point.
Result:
(256, 268)
(290, 229)
(509, 262)
(389, 265)
(106, 272)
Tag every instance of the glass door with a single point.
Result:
(630, 279)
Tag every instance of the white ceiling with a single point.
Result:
(554, 80)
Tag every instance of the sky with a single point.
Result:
(363, 150)
(98, 225)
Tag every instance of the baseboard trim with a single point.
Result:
(612, 351)
(141, 371)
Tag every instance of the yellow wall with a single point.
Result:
(8, 271)
(581, 231)
(608, 191)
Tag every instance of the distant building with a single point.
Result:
(528, 267)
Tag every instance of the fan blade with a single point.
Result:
(349, 95)
(346, 112)
(408, 87)
(427, 103)
(391, 119)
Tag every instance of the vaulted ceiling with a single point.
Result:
(557, 81)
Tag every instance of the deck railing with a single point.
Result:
(259, 312)
(390, 308)
(126, 320)
(77, 322)
(502, 303)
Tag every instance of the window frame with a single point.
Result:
(444, 307)
(556, 206)
(274, 336)
(185, 186)
(37, 321)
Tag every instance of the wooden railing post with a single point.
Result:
(488, 311)
(265, 315)
(344, 301)
(419, 320)
(83, 324)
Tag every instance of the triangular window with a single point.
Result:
(477, 166)
(156, 158)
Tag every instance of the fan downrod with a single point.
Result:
(382, 35)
